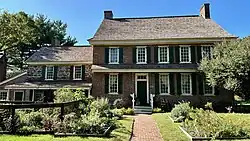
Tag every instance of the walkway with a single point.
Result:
(145, 129)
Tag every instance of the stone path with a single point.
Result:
(145, 129)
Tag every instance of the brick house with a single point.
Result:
(49, 69)
(156, 55)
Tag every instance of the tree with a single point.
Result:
(230, 66)
(21, 34)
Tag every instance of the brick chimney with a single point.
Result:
(205, 11)
(3, 66)
(108, 15)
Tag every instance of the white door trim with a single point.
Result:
(147, 79)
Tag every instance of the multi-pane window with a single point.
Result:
(49, 74)
(3, 95)
(141, 55)
(164, 83)
(113, 55)
(185, 54)
(208, 90)
(38, 95)
(19, 95)
(77, 72)
(207, 52)
(186, 87)
(113, 83)
(163, 54)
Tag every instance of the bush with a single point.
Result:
(157, 110)
(129, 111)
(117, 113)
(181, 112)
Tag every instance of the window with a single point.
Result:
(207, 52)
(49, 74)
(19, 95)
(38, 95)
(3, 95)
(164, 83)
(113, 55)
(186, 87)
(141, 55)
(77, 73)
(163, 54)
(113, 83)
(208, 90)
(185, 54)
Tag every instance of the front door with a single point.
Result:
(142, 92)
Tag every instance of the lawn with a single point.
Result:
(120, 134)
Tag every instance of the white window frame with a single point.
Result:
(208, 94)
(159, 54)
(46, 75)
(18, 92)
(74, 72)
(160, 84)
(144, 52)
(211, 50)
(5, 91)
(190, 78)
(115, 93)
(189, 53)
(118, 53)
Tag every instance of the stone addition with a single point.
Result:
(35, 72)
(88, 73)
(63, 73)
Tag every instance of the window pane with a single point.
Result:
(141, 55)
(18, 96)
(184, 52)
(186, 84)
(38, 96)
(3, 95)
(50, 73)
(113, 83)
(163, 52)
(206, 52)
(164, 83)
(208, 89)
(113, 55)
(78, 72)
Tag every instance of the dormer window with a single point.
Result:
(206, 52)
(185, 54)
(49, 73)
(113, 55)
(141, 55)
(77, 73)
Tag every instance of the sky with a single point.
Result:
(83, 17)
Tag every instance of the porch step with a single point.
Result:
(143, 110)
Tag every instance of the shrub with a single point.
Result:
(117, 113)
(101, 106)
(129, 111)
(157, 110)
(181, 112)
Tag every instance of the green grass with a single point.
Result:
(169, 130)
(120, 134)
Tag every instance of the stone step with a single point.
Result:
(142, 107)
(143, 110)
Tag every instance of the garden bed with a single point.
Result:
(39, 132)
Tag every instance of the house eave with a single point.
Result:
(59, 63)
(144, 70)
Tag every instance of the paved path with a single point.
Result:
(145, 129)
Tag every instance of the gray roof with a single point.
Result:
(193, 26)
(63, 54)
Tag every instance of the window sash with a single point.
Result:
(163, 54)
(77, 73)
(186, 84)
(141, 55)
(114, 55)
(38, 96)
(206, 52)
(207, 90)
(49, 73)
(164, 84)
(185, 54)
(3, 95)
(113, 83)
(20, 92)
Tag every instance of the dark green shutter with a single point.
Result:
(83, 72)
(171, 83)
(43, 72)
(157, 83)
(121, 55)
(194, 91)
(200, 83)
(134, 55)
(120, 83)
(193, 56)
(177, 54)
(55, 72)
(31, 95)
(106, 55)
(178, 78)
(171, 55)
(156, 55)
(199, 56)
(148, 55)
(106, 83)
(71, 72)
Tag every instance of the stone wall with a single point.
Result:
(35, 72)
(63, 73)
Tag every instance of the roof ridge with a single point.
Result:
(152, 17)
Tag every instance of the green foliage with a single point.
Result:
(100, 105)
(117, 113)
(181, 111)
(128, 111)
(68, 95)
(157, 110)
(230, 66)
